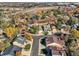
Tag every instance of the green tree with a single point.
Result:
(44, 15)
(58, 25)
(45, 33)
(71, 44)
(33, 29)
(27, 47)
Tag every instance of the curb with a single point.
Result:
(31, 48)
(39, 47)
(28, 53)
(39, 54)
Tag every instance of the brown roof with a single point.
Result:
(52, 39)
(44, 21)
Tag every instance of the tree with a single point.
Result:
(33, 29)
(71, 45)
(35, 17)
(58, 25)
(44, 15)
(72, 21)
(7, 44)
(27, 47)
(1, 23)
(45, 33)
(74, 33)
(2, 46)
(28, 37)
(43, 41)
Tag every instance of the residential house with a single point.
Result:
(11, 51)
(54, 39)
(20, 42)
(54, 30)
(2, 37)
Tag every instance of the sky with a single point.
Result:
(39, 0)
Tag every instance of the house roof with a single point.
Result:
(20, 40)
(2, 38)
(11, 50)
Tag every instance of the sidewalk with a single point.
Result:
(27, 53)
(40, 47)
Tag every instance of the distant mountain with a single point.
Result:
(33, 4)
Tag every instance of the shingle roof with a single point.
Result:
(20, 40)
(10, 50)
(2, 37)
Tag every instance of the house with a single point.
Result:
(54, 30)
(2, 38)
(11, 51)
(64, 29)
(54, 39)
(1, 31)
(18, 53)
(20, 42)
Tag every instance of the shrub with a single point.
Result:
(33, 29)
(28, 36)
(45, 33)
(27, 47)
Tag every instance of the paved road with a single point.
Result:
(33, 10)
(35, 46)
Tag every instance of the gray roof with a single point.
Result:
(20, 40)
(2, 37)
(10, 51)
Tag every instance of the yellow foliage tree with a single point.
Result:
(75, 33)
(28, 36)
(10, 31)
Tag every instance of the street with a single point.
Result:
(35, 46)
